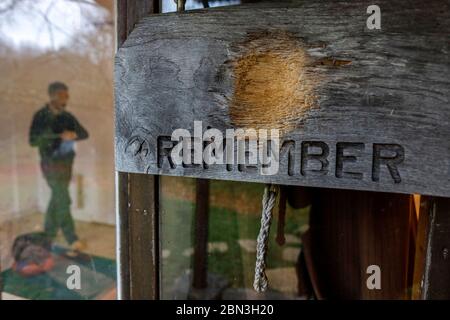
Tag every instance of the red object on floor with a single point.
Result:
(33, 269)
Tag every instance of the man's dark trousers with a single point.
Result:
(58, 173)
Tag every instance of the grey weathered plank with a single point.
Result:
(369, 89)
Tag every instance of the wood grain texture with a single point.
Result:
(352, 230)
(129, 12)
(144, 240)
(138, 236)
(436, 272)
(200, 261)
(333, 80)
(423, 230)
(122, 236)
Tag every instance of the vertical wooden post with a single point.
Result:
(421, 244)
(137, 198)
(129, 12)
(122, 240)
(181, 5)
(143, 229)
(201, 235)
(137, 236)
(432, 267)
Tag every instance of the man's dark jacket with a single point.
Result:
(46, 129)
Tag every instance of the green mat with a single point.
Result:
(98, 274)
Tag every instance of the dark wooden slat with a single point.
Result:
(421, 246)
(181, 5)
(122, 236)
(138, 236)
(144, 240)
(200, 263)
(436, 273)
(137, 9)
(121, 22)
(129, 12)
(365, 90)
(137, 197)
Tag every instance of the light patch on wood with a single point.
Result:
(272, 89)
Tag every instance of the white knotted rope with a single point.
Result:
(268, 202)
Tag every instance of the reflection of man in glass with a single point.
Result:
(54, 131)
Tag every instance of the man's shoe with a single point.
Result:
(78, 246)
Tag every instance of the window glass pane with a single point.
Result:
(233, 224)
(57, 164)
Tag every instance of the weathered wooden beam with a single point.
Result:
(357, 108)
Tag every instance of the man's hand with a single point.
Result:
(68, 135)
